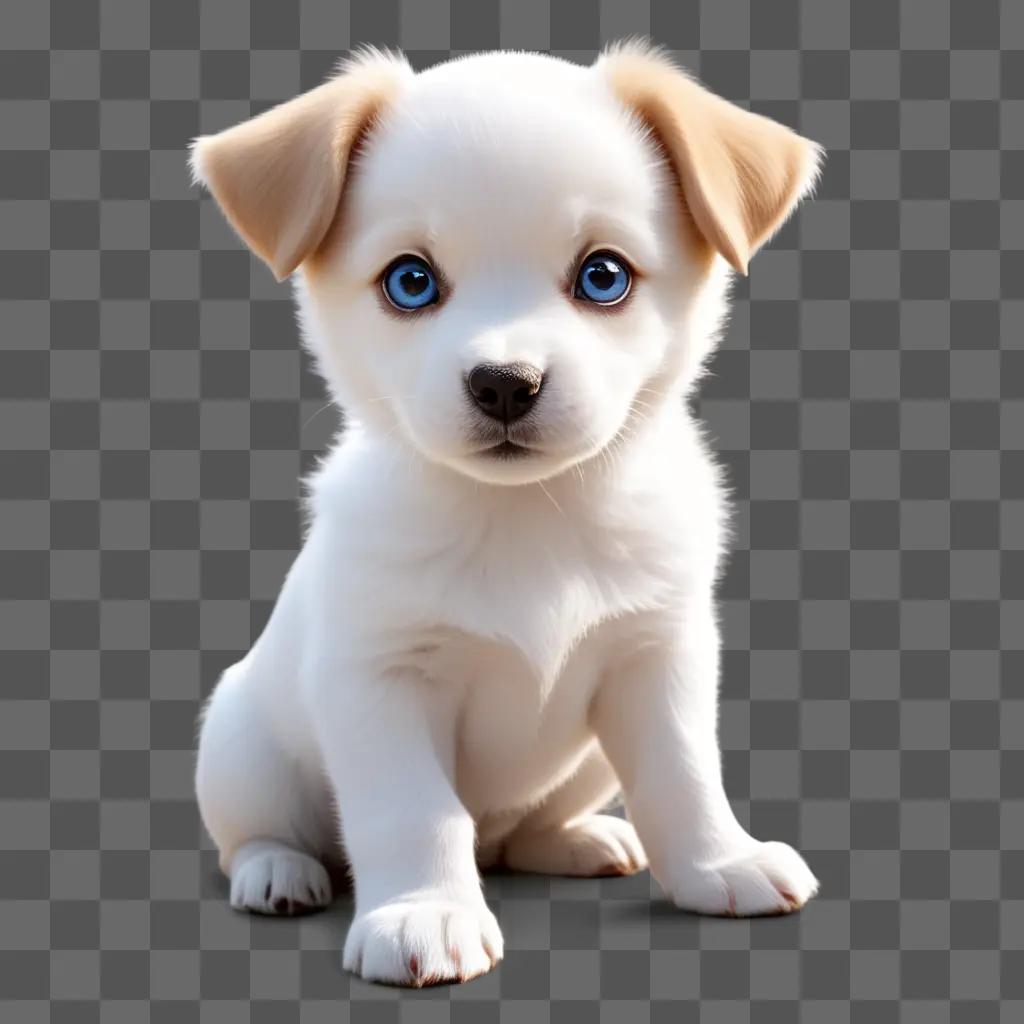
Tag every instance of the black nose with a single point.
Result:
(505, 391)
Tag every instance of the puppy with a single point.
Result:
(509, 269)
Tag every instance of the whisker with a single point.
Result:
(322, 408)
(540, 484)
(386, 398)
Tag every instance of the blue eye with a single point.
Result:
(604, 278)
(410, 284)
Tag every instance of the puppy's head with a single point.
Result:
(508, 259)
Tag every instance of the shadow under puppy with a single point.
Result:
(510, 270)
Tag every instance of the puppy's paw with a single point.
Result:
(271, 878)
(767, 878)
(424, 942)
(597, 846)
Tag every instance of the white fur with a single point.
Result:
(473, 651)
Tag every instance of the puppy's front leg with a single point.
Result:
(388, 745)
(657, 720)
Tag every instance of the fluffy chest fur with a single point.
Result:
(427, 566)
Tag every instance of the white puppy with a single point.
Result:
(510, 269)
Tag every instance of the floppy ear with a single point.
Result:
(278, 177)
(741, 174)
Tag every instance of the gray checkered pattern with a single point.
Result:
(869, 402)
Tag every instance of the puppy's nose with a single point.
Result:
(505, 391)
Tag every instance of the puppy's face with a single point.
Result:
(507, 271)
(513, 268)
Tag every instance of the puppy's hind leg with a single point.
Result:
(566, 836)
(270, 822)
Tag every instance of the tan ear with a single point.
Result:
(741, 174)
(278, 177)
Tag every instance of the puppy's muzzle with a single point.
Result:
(505, 391)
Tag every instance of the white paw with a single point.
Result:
(597, 846)
(767, 878)
(424, 942)
(271, 878)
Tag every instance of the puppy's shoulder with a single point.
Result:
(673, 504)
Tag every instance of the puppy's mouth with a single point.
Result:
(506, 450)
(505, 444)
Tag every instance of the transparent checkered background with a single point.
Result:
(869, 402)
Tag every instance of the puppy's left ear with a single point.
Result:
(278, 177)
(740, 173)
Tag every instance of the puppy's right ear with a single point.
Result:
(278, 177)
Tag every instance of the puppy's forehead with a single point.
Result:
(502, 147)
